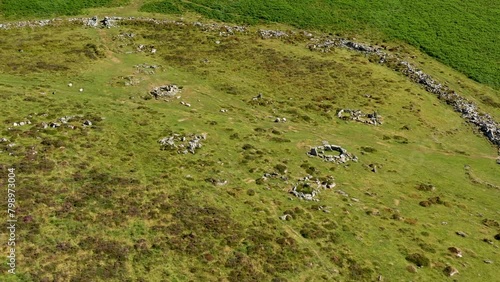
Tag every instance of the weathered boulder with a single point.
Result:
(456, 251)
(450, 270)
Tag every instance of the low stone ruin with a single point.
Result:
(357, 115)
(165, 91)
(322, 152)
(308, 188)
(183, 144)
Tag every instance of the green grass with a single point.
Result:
(15, 9)
(108, 205)
(460, 34)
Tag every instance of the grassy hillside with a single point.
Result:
(461, 34)
(105, 203)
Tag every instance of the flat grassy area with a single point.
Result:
(104, 203)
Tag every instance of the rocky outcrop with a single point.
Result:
(165, 91)
(324, 152)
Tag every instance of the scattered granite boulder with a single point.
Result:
(461, 234)
(216, 182)
(498, 160)
(168, 91)
(259, 96)
(286, 217)
(456, 251)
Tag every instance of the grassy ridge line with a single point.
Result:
(459, 34)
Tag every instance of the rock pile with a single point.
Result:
(357, 115)
(322, 152)
(183, 144)
(167, 91)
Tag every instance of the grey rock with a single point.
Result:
(286, 217)
(461, 233)
(87, 123)
(169, 91)
(93, 22)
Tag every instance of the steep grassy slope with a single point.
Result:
(104, 203)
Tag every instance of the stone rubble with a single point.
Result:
(321, 152)
(357, 115)
(168, 91)
(265, 34)
(183, 144)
